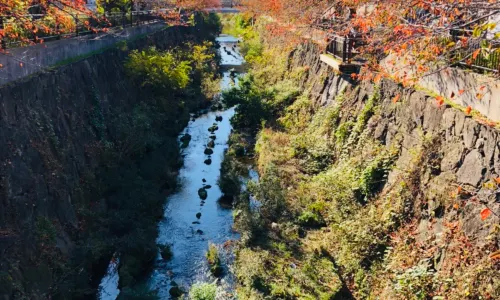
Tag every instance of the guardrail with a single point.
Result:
(342, 48)
(84, 25)
(472, 55)
(480, 53)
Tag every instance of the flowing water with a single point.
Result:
(190, 224)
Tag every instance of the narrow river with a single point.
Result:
(190, 223)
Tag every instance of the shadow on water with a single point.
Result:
(190, 222)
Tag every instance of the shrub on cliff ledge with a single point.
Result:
(157, 68)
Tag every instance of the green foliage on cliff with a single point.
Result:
(256, 105)
(242, 27)
(159, 68)
(320, 177)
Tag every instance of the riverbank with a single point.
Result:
(361, 196)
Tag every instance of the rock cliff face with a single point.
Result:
(397, 194)
(467, 150)
(53, 127)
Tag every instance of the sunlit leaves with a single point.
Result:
(431, 32)
(485, 213)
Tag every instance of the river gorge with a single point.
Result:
(192, 221)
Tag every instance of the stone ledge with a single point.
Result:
(339, 66)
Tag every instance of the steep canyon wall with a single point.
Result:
(56, 128)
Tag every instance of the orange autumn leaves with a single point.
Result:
(26, 20)
(485, 213)
(420, 28)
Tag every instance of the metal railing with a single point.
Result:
(342, 48)
(473, 56)
(469, 51)
(83, 25)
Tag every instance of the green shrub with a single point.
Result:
(311, 219)
(374, 176)
(159, 68)
(214, 260)
(268, 190)
(45, 231)
(203, 291)
(229, 180)
(415, 283)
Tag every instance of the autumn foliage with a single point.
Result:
(24, 22)
(424, 32)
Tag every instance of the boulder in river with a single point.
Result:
(198, 215)
(204, 180)
(185, 139)
(211, 144)
(218, 118)
(208, 161)
(213, 137)
(213, 128)
(202, 193)
(165, 252)
(209, 151)
(176, 292)
(207, 187)
(199, 231)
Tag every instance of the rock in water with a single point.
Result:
(204, 180)
(198, 215)
(165, 252)
(185, 139)
(208, 161)
(213, 137)
(199, 231)
(218, 118)
(211, 144)
(176, 292)
(202, 193)
(208, 186)
(213, 128)
(209, 151)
